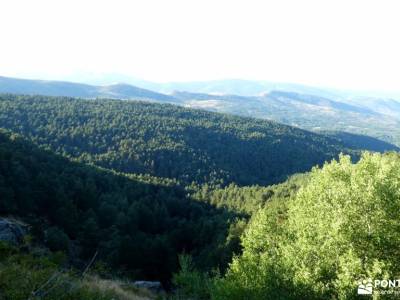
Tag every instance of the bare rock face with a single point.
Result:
(153, 286)
(11, 231)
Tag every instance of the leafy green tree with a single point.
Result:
(192, 283)
(340, 228)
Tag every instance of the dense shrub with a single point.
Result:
(342, 227)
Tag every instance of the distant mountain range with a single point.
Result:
(71, 89)
(309, 108)
(228, 86)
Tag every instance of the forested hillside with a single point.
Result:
(199, 150)
(320, 241)
(309, 112)
(309, 108)
(136, 225)
(184, 196)
(166, 140)
(362, 142)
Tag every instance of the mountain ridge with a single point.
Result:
(74, 89)
(321, 111)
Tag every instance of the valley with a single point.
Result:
(174, 192)
(199, 150)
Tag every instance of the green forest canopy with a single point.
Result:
(141, 223)
(136, 225)
(166, 140)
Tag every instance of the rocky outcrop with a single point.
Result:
(12, 231)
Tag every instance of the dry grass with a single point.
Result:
(120, 288)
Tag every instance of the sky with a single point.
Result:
(339, 43)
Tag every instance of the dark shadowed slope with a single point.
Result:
(137, 225)
(362, 142)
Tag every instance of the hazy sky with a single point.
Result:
(348, 44)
